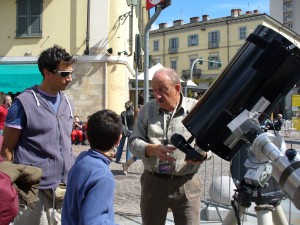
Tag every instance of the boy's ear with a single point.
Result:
(118, 141)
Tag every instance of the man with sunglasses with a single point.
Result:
(38, 133)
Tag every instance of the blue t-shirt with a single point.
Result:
(16, 116)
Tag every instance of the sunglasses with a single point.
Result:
(63, 73)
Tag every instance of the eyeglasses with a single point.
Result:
(63, 73)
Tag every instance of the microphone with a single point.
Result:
(179, 142)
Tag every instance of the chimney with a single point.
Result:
(234, 13)
(194, 19)
(205, 18)
(255, 11)
(239, 12)
(248, 12)
(177, 22)
(162, 25)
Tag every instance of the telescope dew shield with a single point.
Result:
(266, 66)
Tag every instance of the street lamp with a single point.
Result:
(192, 67)
(123, 17)
(201, 60)
(132, 2)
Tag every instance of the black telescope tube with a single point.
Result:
(266, 66)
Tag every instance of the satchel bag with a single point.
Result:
(126, 131)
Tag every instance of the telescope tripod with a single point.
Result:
(268, 208)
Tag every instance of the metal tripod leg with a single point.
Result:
(278, 216)
(264, 214)
(231, 217)
(270, 215)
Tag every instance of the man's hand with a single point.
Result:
(163, 152)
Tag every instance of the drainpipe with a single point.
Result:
(130, 31)
(228, 57)
(146, 52)
(87, 39)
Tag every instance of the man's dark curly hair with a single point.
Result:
(52, 57)
(103, 129)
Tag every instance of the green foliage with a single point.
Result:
(190, 94)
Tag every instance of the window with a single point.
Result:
(173, 45)
(287, 5)
(174, 64)
(213, 39)
(289, 25)
(193, 40)
(287, 16)
(156, 45)
(29, 18)
(243, 33)
(155, 61)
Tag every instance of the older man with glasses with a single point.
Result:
(168, 181)
(38, 133)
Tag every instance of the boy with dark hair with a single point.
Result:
(90, 191)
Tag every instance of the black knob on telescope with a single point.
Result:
(291, 153)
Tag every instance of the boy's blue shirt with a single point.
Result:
(89, 198)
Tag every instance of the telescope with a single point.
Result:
(228, 116)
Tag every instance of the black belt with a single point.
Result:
(167, 176)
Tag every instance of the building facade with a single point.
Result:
(285, 12)
(209, 43)
(99, 33)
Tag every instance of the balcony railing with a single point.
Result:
(173, 50)
(187, 73)
(288, 9)
(287, 20)
(213, 45)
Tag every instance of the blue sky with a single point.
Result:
(184, 9)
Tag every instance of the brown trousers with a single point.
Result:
(180, 194)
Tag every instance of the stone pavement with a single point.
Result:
(127, 195)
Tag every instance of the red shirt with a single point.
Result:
(3, 113)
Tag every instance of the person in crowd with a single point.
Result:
(84, 129)
(133, 158)
(168, 180)
(128, 122)
(140, 100)
(77, 131)
(277, 124)
(89, 197)
(37, 132)
(18, 185)
(266, 124)
(3, 111)
(9, 206)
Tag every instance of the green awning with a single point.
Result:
(17, 77)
